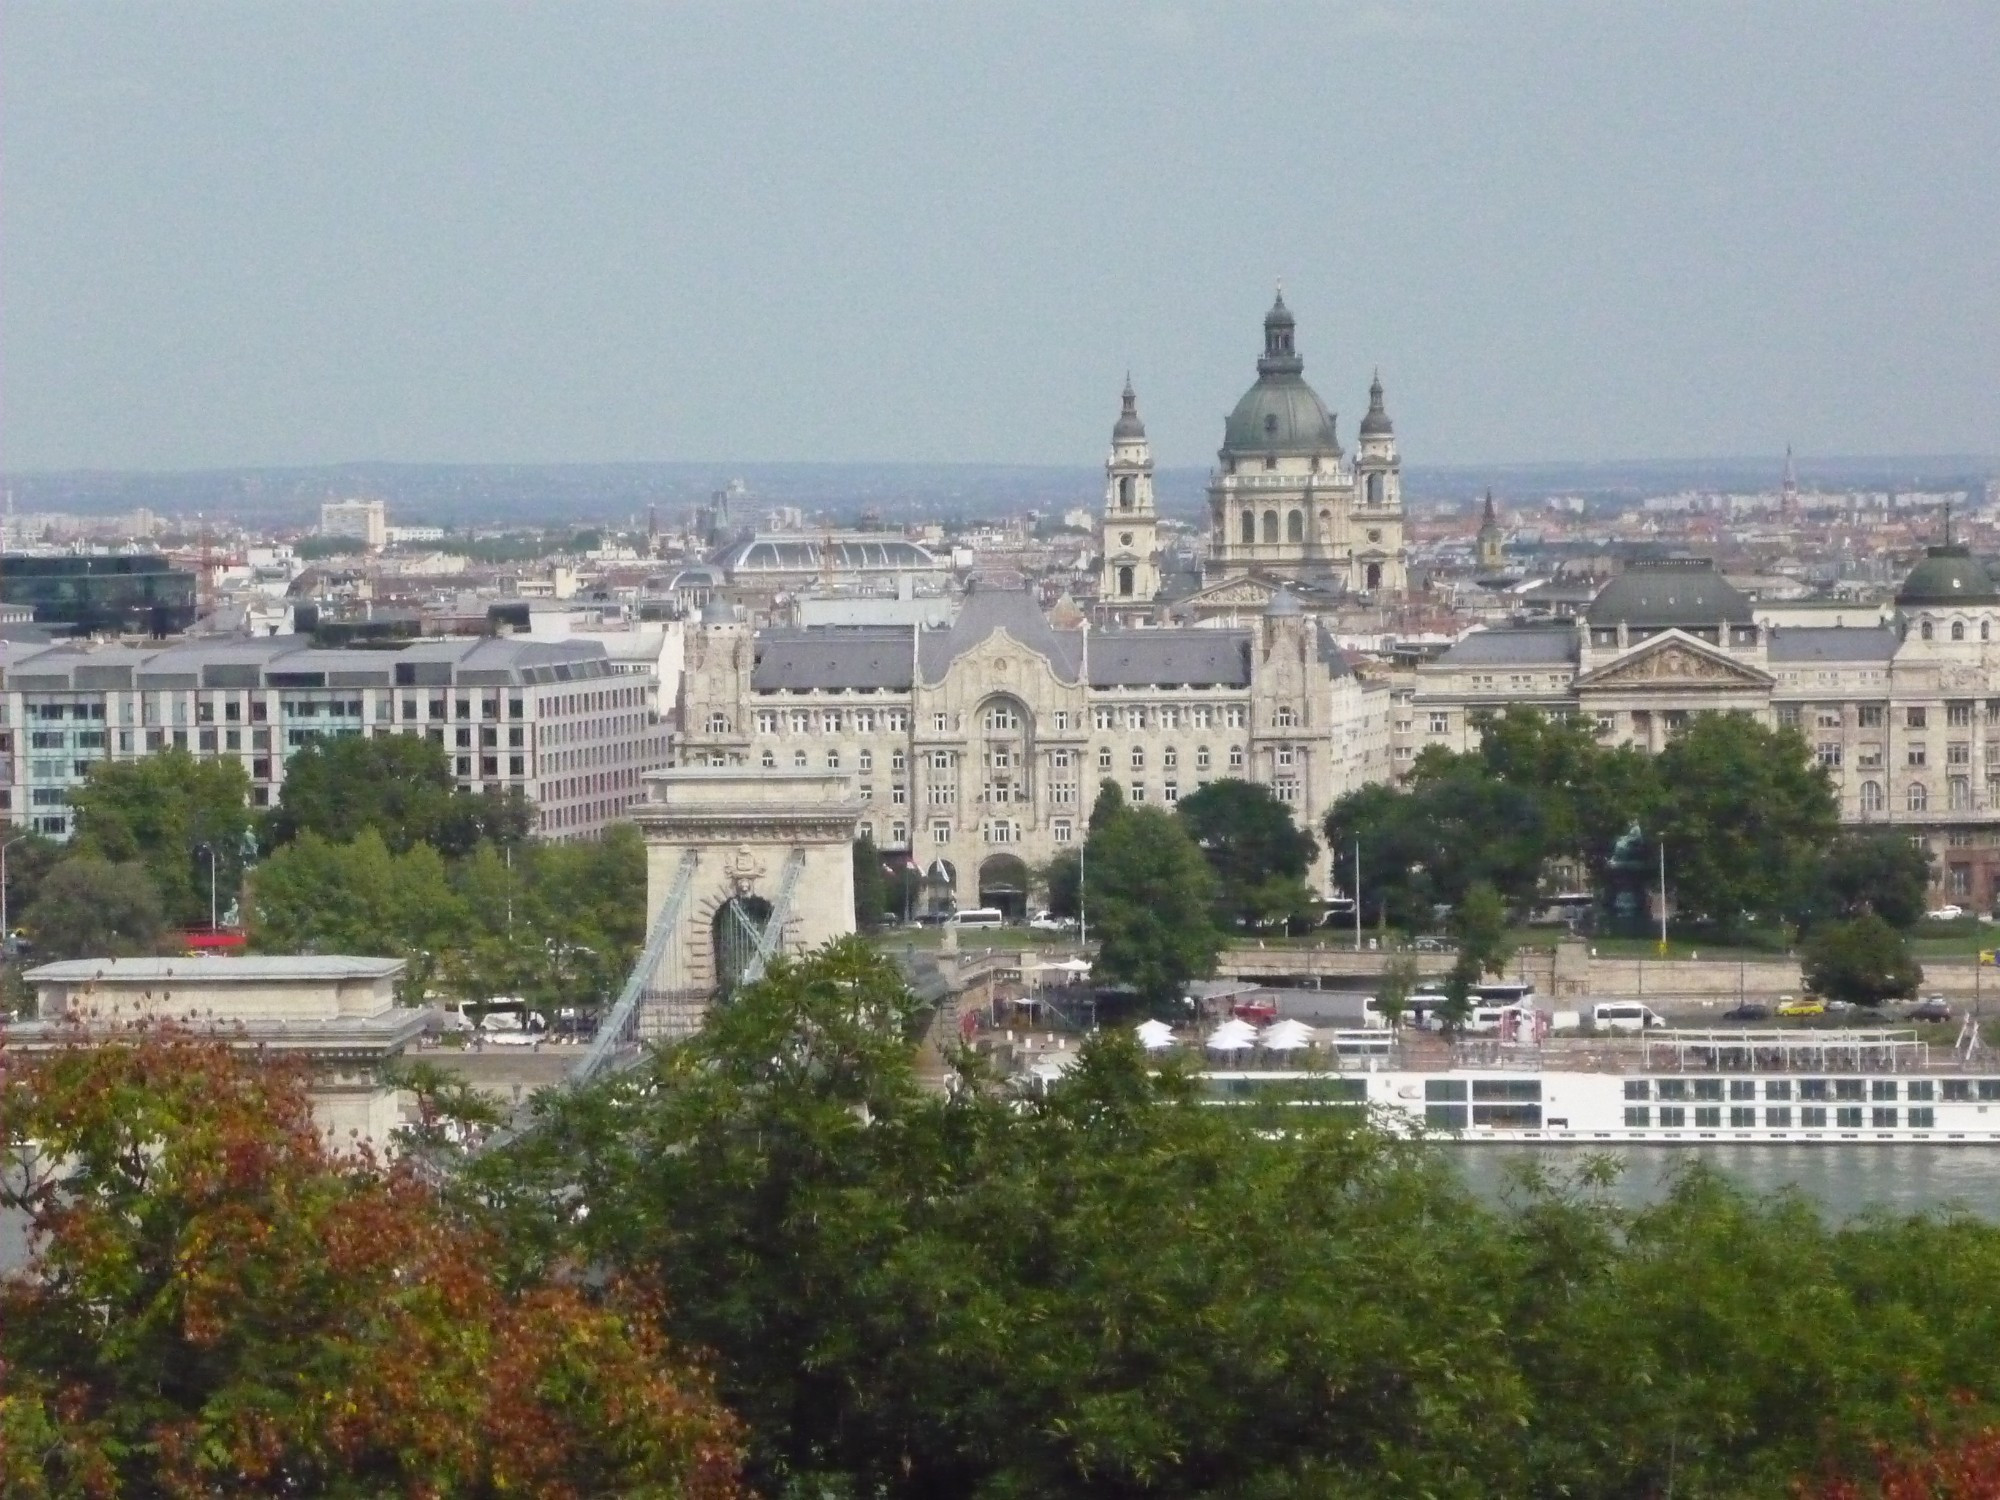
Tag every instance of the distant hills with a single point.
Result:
(507, 494)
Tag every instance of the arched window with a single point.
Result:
(1125, 582)
(1917, 798)
(1986, 630)
(1872, 800)
(1958, 792)
(770, 760)
(1124, 491)
(1284, 718)
(1925, 630)
(1249, 528)
(1002, 717)
(1375, 488)
(799, 759)
(1270, 526)
(1326, 518)
(718, 723)
(1295, 526)
(1958, 630)
(1373, 577)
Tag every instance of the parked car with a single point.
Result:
(1946, 913)
(1802, 1005)
(1931, 1008)
(1048, 921)
(1259, 1012)
(1429, 944)
(1750, 1011)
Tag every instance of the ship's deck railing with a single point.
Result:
(1780, 1051)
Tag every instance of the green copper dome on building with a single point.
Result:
(1280, 415)
(1948, 575)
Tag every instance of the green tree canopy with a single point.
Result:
(873, 895)
(93, 908)
(1115, 1287)
(1863, 961)
(1867, 870)
(400, 785)
(1151, 899)
(1062, 880)
(168, 810)
(1259, 855)
(1740, 807)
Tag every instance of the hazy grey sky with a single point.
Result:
(237, 234)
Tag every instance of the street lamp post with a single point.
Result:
(6, 928)
(209, 850)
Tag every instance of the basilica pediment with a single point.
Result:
(1671, 662)
(1245, 592)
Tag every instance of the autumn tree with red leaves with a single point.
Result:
(216, 1302)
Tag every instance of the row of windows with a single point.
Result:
(1779, 1117)
(1002, 719)
(1958, 714)
(1878, 1089)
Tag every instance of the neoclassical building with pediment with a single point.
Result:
(1904, 715)
(977, 748)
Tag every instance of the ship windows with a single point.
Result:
(1778, 1088)
(1885, 1119)
(1512, 1089)
(1923, 1119)
(1812, 1118)
(1742, 1088)
(1446, 1089)
(1637, 1118)
(1989, 1090)
(1672, 1117)
(1778, 1119)
(1814, 1088)
(1848, 1118)
(1709, 1118)
(1922, 1088)
(1672, 1088)
(1708, 1088)
(1637, 1088)
(1848, 1088)
(1508, 1116)
(1957, 1090)
(1742, 1119)
(1444, 1116)
(1883, 1088)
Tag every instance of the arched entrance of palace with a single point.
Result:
(1003, 883)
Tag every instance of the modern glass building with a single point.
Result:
(127, 594)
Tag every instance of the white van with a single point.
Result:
(1625, 1015)
(980, 916)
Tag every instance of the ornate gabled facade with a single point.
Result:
(978, 748)
(1286, 502)
(1904, 717)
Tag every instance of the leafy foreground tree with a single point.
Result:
(168, 811)
(1864, 962)
(1259, 855)
(216, 1304)
(1151, 900)
(398, 785)
(1115, 1288)
(91, 908)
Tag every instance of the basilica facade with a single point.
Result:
(1287, 505)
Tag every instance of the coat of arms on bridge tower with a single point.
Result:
(743, 870)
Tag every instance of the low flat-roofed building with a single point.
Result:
(334, 1014)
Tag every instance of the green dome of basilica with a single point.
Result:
(1280, 414)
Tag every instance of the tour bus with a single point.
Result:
(980, 916)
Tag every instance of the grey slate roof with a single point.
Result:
(1170, 658)
(1817, 643)
(800, 661)
(1510, 647)
(1673, 591)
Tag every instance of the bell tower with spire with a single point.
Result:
(1130, 573)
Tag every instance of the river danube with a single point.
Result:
(1843, 1180)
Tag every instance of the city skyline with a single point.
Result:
(241, 237)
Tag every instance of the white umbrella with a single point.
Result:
(1287, 1036)
(1154, 1036)
(1072, 966)
(1232, 1035)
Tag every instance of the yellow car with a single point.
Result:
(1809, 1005)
